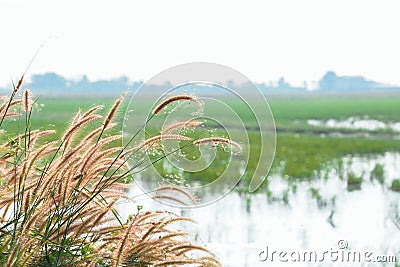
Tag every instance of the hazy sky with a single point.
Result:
(264, 40)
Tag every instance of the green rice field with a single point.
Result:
(302, 149)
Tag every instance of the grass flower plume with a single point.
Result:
(58, 198)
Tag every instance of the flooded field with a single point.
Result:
(355, 123)
(315, 216)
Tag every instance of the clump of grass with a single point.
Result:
(58, 198)
(269, 194)
(378, 173)
(395, 185)
(353, 181)
(285, 196)
(315, 194)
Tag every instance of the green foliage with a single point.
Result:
(353, 181)
(378, 173)
(303, 154)
(315, 194)
(395, 185)
(285, 196)
(293, 112)
(300, 146)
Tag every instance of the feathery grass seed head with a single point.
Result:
(173, 99)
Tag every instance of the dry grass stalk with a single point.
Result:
(113, 110)
(57, 205)
(175, 190)
(19, 84)
(11, 114)
(173, 99)
(27, 100)
(150, 141)
(181, 125)
(4, 108)
(76, 126)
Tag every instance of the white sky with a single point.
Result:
(264, 40)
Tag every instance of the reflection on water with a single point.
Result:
(357, 124)
(238, 227)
